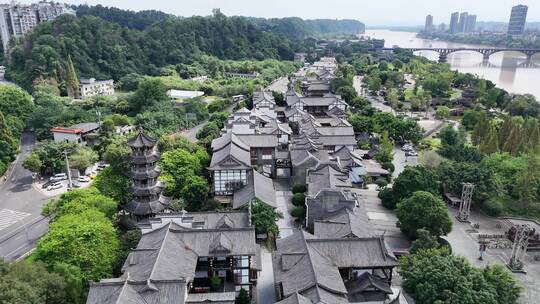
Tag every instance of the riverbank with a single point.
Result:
(507, 70)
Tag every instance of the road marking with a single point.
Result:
(9, 217)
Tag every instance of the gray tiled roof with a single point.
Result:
(320, 101)
(260, 96)
(226, 147)
(344, 223)
(142, 140)
(211, 298)
(122, 290)
(165, 259)
(310, 266)
(258, 140)
(258, 186)
(326, 176)
(86, 126)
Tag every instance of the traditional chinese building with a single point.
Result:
(147, 199)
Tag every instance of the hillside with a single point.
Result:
(103, 49)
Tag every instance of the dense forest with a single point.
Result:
(108, 42)
(299, 28)
(103, 49)
(135, 20)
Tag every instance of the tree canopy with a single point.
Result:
(435, 276)
(86, 240)
(423, 210)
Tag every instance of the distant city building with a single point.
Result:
(18, 19)
(516, 26)
(91, 87)
(462, 22)
(429, 24)
(442, 27)
(470, 25)
(454, 22)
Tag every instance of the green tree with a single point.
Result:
(265, 218)
(243, 297)
(436, 276)
(386, 149)
(348, 93)
(72, 81)
(114, 184)
(490, 143)
(33, 163)
(178, 166)
(15, 102)
(393, 97)
(423, 210)
(150, 92)
(87, 240)
(506, 287)
(82, 158)
(32, 281)
(424, 241)
(527, 184)
(412, 179)
(195, 192)
(513, 144)
(442, 112)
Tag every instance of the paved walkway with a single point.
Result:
(266, 293)
(464, 241)
(284, 205)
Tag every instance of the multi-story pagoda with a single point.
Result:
(145, 189)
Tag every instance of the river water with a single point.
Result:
(508, 70)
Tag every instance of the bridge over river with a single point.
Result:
(486, 52)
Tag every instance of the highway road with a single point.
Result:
(21, 222)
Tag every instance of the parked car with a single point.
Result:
(411, 153)
(54, 186)
(59, 177)
(75, 185)
(47, 184)
(84, 179)
(406, 148)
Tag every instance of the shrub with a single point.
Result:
(298, 199)
(381, 182)
(387, 198)
(215, 283)
(493, 207)
(388, 166)
(298, 212)
(299, 188)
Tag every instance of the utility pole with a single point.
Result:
(70, 184)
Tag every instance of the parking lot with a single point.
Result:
(51, 189)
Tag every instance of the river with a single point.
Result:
(508, 70)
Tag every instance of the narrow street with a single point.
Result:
(266, 294)
(21, 224)
(191, 133)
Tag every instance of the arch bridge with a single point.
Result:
(486, 52)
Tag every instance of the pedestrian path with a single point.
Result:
(9, 217)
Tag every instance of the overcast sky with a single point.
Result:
(371, 12)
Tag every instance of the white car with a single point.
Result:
(406, 148)
(59, 177)
(54, 186)
(411, 153)
(84, 179)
